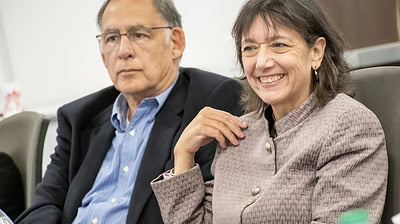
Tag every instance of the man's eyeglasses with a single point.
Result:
(138, 35)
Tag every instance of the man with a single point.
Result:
(111, 144)
(11, 188)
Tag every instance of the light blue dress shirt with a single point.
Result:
(108, 200)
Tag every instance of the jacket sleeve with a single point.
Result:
(47, 205)
(184, 198)
(352, 169)
(226, 97)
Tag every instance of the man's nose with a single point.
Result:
(125, 48)
(265, 57)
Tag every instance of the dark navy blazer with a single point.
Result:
(85, 134)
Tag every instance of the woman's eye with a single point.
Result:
(279, 45)
(248, 48)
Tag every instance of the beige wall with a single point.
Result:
(366, 22)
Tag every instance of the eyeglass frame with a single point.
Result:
(133, 30)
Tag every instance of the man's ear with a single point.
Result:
(178, 41)
(318, 52)
(102, 57)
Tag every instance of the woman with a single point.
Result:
(304, 153)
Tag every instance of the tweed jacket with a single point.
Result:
(322, 162)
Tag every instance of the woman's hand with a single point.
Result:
(209, 124)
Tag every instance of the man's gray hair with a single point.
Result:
(165, 7)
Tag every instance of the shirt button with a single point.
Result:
(255, 190)
(94, 221)
(268, 147)
(126, 169)
(113, 200)
(132, 133)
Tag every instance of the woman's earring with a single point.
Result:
(316, 74)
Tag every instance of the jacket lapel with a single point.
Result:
(100, 140)
(158, 149)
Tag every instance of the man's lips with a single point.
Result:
(128, 70)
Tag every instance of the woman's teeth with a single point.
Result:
(271, 78)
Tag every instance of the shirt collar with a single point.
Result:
(291, 119)
(120, 107)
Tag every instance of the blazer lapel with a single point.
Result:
(100, 140)
(158, 149)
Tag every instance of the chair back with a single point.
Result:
(379, 89)
(22, 137)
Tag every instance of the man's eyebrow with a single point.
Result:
(111, 30)
(137, 27)
(130, 28)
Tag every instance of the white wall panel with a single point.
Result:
(53, 50)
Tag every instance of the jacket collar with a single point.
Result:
(159, 147)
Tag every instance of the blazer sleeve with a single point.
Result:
(226, 97)
(50, 194)
(352, 169)
(184, 198)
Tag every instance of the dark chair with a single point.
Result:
(379, 89)
(22, 137)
